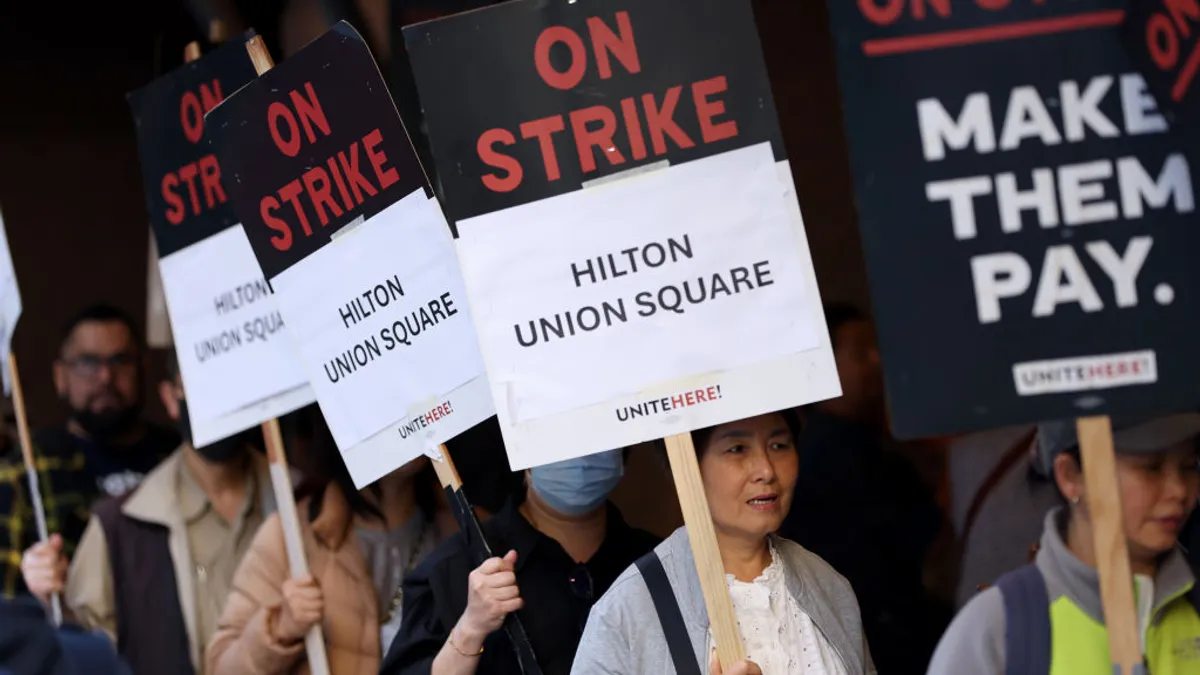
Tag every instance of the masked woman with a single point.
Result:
(795, 613)
(558, 549)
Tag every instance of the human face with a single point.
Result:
(98, 376)
(749, 469)
(1158, 493)
(859, 371)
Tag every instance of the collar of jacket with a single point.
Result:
(804, 580)
(334, 523)
(1067, 575)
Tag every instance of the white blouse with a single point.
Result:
(779, 636)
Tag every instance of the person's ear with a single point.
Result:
(166, 392)
(1069, 477)
(60, 377)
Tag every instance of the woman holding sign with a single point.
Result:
(795, 613)
(360, 544)
(1046, 618)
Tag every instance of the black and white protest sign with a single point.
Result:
(1163, 37)
(237, 366)
(1026, 215)
(321, 171)
(629, 232)
(10, 305)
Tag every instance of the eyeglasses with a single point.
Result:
(581, 583)
(90, 365)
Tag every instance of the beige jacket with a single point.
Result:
(89, 592)
(245, 641)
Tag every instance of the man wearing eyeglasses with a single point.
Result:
(103, 449)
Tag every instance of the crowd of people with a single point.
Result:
(842, 556)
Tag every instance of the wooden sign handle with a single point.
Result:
(1108, 536)
(703, 536)
(31, 474)
(281, 482)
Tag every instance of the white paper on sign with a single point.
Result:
(692, 402)
(238, 366)
(687, 270)
(381, 321)
(10, 305)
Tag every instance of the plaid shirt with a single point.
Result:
(67, 493)
(69, 484)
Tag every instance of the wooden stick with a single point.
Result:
(1108, 536)
(281, 482)
(314, 642)
(703, 536)
(35, 490)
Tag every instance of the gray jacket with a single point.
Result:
(974, 643)
(624, 637)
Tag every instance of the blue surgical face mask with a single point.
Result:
(578, 486)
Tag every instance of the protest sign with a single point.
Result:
(628, 228)
(237, 367)
(10, 303)
(1163, 37)
(321, 171)
(1025, 213)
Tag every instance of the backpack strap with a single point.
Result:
(669, 616)
(1027, 622)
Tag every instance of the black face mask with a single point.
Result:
(223, 451)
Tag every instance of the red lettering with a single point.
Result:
(713, 393)
(310, 112)
(677, 401)
(174, 204)
(623, 47)
(633, 128)
(691, 398)
(706, 110)
(660, 120)
(986, 4)
(354, 176)
(320, 191)
(543, 129)
(1162, 42)
(191, 116)
(601, 137)
(275, 112)
(266, 209)
(1181, 8)
(210, 178)
(541, 57)
(882, 15)
(701, 397)
(211, 96)
(487, 153)
(386, 176)
(289, 193)
(341, 184)
(188, 172)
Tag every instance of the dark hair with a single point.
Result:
(701, 437)
(101, 313)
(171, 366)
(327, 466)
(838, 314)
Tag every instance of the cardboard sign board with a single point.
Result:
(1163, 37)
(237, 366)
(10, 304)
(1027, 217)
(627, 223)
(337, 210)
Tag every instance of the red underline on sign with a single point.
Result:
(1008, 31)
(1187, 74)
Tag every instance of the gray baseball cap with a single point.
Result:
(1129, 436)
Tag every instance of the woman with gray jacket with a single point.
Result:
(795, 613)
